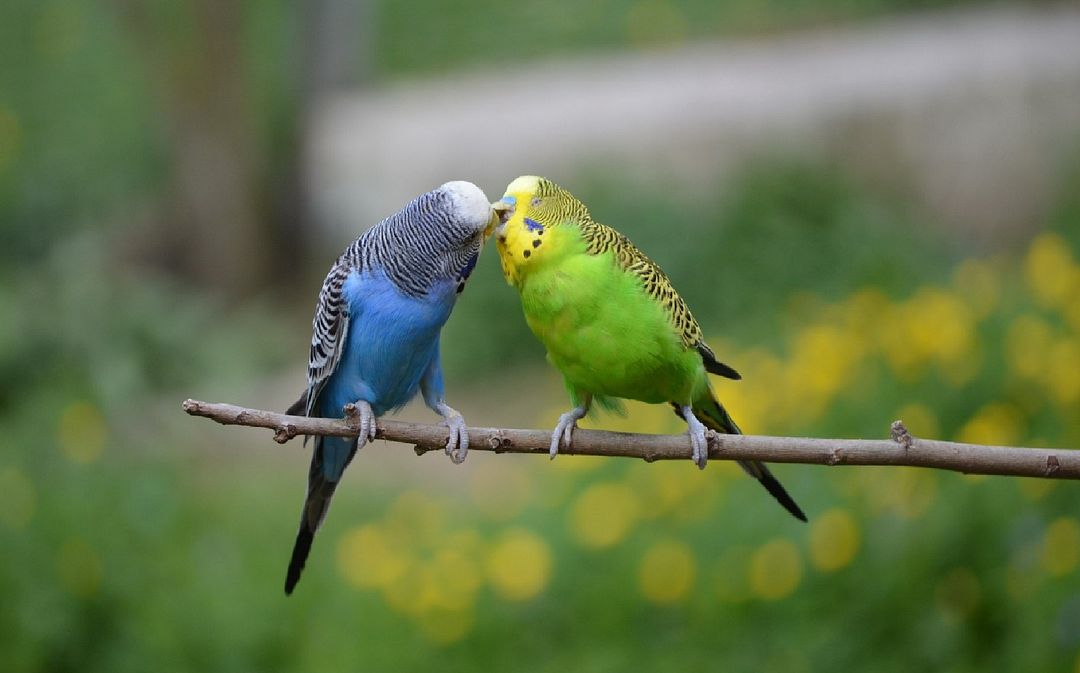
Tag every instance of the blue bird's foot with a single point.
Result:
(360, 414)
(699, 442)
(457, 445)
(564, 431)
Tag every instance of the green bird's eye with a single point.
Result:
(535, 202)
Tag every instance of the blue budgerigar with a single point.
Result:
(375, 335)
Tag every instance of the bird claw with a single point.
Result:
(563, 434)
(699, 441)
(360, 411)
(564, 431)
(457, 444)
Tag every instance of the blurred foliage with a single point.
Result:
(89, 90)
(416, 37)
(75, 325)
(98, 102)
(123, 546)
(128, 544)
(75, 134)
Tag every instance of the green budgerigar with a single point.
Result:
(610, 319)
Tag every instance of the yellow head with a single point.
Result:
(533, 215)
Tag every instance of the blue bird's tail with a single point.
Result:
(328, 462)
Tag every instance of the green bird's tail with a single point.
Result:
(715, 416)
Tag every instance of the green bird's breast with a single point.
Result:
(605, 334)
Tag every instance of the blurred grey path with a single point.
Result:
(976, 106)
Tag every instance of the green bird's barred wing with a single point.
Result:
(600, 238)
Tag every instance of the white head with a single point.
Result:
(469, 205)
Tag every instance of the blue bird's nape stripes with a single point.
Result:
(418, 246)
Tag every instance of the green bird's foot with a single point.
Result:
(699, 441)
(457, 445)
(564, 431)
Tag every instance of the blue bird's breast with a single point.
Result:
(392, 339)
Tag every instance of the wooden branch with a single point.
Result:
(902, 449)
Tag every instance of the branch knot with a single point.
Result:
(284, 433)
(901, 436)
(499, 442)
(1052, 465)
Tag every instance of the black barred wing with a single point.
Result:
(601, 238)
(329, 330)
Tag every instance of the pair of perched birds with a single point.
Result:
(608, 316)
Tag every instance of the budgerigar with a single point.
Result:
(611, 321)
(375, 335)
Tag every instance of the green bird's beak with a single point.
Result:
(502, 212)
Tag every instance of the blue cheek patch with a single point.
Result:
(533, 225)
(469, 266)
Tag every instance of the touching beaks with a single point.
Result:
(504, 210)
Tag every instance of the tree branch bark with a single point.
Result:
(902, 450)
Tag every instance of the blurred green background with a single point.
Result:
(161, 238)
